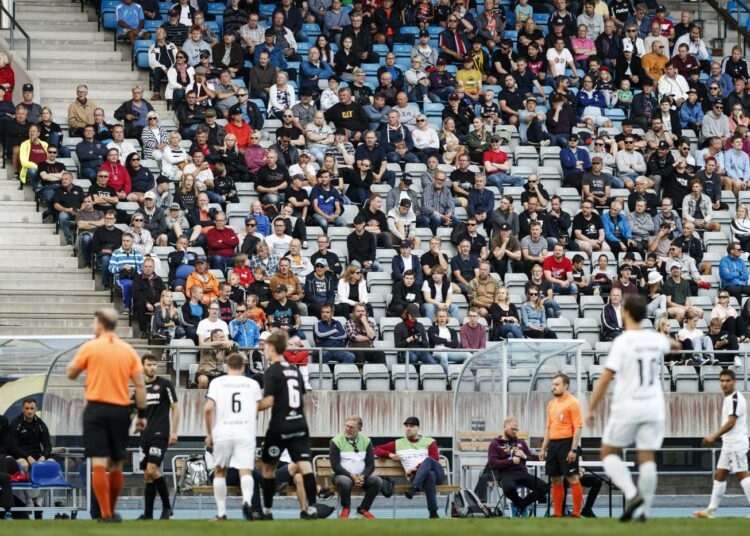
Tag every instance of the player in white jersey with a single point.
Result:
(734, 443)
(231, 415)
(637, 411)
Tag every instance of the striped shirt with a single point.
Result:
(121, 258)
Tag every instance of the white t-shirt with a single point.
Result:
(206, 326)
(236, 399)
(736, 438)
(636, 358)
(278, 246)
(560, 60)
(438, 291)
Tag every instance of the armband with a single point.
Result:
(141, 413)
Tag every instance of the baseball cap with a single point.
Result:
(174, 206)
(663, 145)
(264, 335)
(629, 257)
(235, 110)
(627, 47)
(406, 243)
(162, 179)
(28, 87)
(424, 33)
(654, 277)
(204, 54)
(412, 309)
(201, 70)
(693, 90)
(407, 179)
(441, 61)
(321, 262)
(603, 68)
(149, 195)
(572, 137)
(495, 137)
(209, 113)
(269, 31)
(413, 421)
(505, 227)
(661, 7)
(305, 152)
(280, 288)
(454, 96)
(201, 258)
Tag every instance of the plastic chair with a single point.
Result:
(48, 474)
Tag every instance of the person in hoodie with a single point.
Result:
(320, 287)
(329, 333)
(29, 437)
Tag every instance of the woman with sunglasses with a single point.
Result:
(167, 321)
(731, 321)
(142, 241)
(174, 157)
(153, 138)
(141, 178)
(450, 142)
(533, 317)
(410, 333)
(425, 138)
(281, 96)
(180, 76)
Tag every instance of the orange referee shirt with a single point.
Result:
(563, 416)
(109, 364)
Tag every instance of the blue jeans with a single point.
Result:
(64, 218)
(428, 476)
(89, 173)
(189, 132)
(394, 158)
(219, 262)
(433, 222)
(444, 93)
(55, 139)
(511, 331)
(104, 270)
(616, 182)
(339, 356)
(420, 91)
(125, 285)
(500, 180)
(558, 289)
(84, 242)
(324, 223)
(430, 310)
(48, 194)
(272, 199)
(375, 267)
(213, 197)
(421, 356)
(551, 309)
(449, 357)
(561, 140)
(32, 177)
(178, 95)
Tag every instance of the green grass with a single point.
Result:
(381, 527)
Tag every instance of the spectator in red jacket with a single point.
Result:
(506, 463)
(420, 459)
(119, 178)
(239, 128)
(222, 242)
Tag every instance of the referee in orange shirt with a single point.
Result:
(110, 365)
(561, 448)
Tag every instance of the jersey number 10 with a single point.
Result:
(648, 370)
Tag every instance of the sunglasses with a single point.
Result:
(252, 224)
(723, 297)
(420, 120)
(533, 294)
(132, 159)
(599, 144)
(471, 225)
(357, 273)
(241, 310)
(103, 176)
(242, 94)
(138, 220)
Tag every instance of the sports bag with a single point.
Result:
(195, 473)
(467, 504)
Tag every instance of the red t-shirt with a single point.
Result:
(37, 154)
(560, 269)
(495, 157)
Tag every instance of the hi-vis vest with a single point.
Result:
(352, 456)
(412, 454)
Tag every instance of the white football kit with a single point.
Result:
(235, 419)
(637, 412)
(734, 444)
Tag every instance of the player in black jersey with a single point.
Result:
(283, 390)
(163, 416)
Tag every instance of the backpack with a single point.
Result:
(195, 473)
(467, 504)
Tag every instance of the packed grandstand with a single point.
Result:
(403, 184)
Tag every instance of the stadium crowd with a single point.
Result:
(291, 128)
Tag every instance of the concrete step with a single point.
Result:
(54, 308)
(50, 283)
(11, 207)
(22, 217)
(70, 52)
(99, 92)
(11, 261)
(12, 193)
(41, 19)
(30, 228)
(30, 240)
(67, 274)
(44, 318)
(54, 296)
(33, 331)
(57, 250)
(63, 33)
(105, 75)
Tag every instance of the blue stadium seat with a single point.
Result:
(152, 25)
(382, 50)
(266, 10)
(409, 30)
(48, 474)
(311, 29)
(435, 31)
(402, 49)
(164, 7)
(108, 16)
(216, 8)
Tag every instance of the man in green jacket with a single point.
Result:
(353, 463)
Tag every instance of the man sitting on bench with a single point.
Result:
(353, 463)
(507, 457)
(420, 459)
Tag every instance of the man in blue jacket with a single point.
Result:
(733, 272)
(575, 162)
(617, 232)
(329, 333)
(406, 260)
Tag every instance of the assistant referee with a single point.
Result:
(560, 448)
(110, 365)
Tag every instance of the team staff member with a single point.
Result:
(163, 416)
(560, 447)
(110, 365)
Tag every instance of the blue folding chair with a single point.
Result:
(410, 30)
(216, 8)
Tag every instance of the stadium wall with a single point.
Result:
(689, 415)
(22, 76)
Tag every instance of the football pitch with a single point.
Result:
(378, 527)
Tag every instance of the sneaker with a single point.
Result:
(704, 514)
(309, 387)
(588, 513)
(434, 515)
(409, 494)
(266, 516)
(543, 143)
(737, 361)
(304, 244)
(426, 100)
(166, 513)
(7, 516)
(324, 493)
(365, 513)
(324, 511)
(515, 511)
(219, 518)
(630, 507)
(144, 517)
(247, 512)
(344, 513)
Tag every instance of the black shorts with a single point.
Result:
(153, 449)
(297, 443)
(105, 430)
(557, 458)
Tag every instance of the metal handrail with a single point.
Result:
(13, 25)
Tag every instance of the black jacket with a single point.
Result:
(361, 248)
(188, 117)
(147, 290)
(636, 69)
(127, 108)
(435, 339)
(335, 457)
(402, 332)
(187, 314)
(403, 295)
(361, 42)
(610, 327)
(29, 438)
(312, 294)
